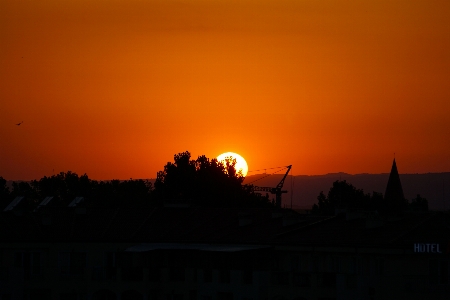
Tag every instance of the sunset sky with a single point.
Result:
(115, 88)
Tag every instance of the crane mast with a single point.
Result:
(275, 190)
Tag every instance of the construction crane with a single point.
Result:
(275, 190)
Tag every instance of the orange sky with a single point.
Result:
(115, 88)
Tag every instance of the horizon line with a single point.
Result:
(266, 174)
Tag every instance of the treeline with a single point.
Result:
(197, 182)
(343, 195)
(64, 187)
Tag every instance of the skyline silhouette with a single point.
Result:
(198, 232)
(300, 192)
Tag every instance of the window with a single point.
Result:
(276, 264)
(29, 261)
(132, 274)
(301, 280)
(72, 296)
(439, 271)
(193, 295)
(126, 259)
(359, 265)
(351, 265)
(224, 276)
(110, 259)
(104, 294)
(177, 274)
(154, 274)
(72, 264)
(4, 273)
(207, 275)
(103, 273)
(225, 296)
(295, 263)
(3, 269)
(345, 265)
(154, 295)
(247, 276)
(365, 262)
(280, 278)
(379, 266)
(131, 295)
(330, 264)
(351, 281)
(131, 266)
(194, 275)
(109, 269)
(327, 279)
(36, 294)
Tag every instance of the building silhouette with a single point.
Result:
(168, 251)
(394, 190)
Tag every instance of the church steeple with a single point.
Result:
(394, 190)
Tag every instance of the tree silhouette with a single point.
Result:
(343, 195)
(205, 182)
(419, 204)
(4, 192)
(23, 188)
(64, 187)
(201, 182)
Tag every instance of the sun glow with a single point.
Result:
(241, 164)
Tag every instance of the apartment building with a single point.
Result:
(168, 252)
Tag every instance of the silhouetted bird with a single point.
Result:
(18, 124)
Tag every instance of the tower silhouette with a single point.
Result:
(394, 191)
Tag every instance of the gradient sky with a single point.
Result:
(115, 88)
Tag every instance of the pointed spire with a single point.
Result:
(394, 190)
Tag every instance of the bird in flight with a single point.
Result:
(18, 124)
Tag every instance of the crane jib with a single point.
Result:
(277, 190)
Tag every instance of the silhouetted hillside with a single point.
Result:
(435, 187)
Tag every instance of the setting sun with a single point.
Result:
(241, 164)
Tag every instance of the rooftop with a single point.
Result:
(200, 225)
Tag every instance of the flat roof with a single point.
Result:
(201, 247)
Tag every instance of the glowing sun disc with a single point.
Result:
(241, 164)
